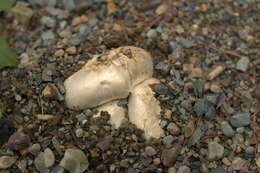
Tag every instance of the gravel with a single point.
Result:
(240, 119)
(184, 169)
(215, 151)
(227, 129)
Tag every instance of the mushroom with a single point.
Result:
(112, 76)
(108, 77)
(117, 113)
(144, 109)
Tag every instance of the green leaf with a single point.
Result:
(6, 4)
(8, 57)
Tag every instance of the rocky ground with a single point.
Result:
(206, 54)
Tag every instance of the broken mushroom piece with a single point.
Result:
(144, 109)
(117, 113)
(108, 77)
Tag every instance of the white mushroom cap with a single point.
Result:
(107, 78)
(117, 113)
(144, 109)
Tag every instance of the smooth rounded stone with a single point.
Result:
(227, 129)
(172, 170)
(57, 169)
(131, 170)
(150, 151)
(34, 149)
(152, 33)
(184, 169)
(215, 151)
(173, 129)
(49, 157)
(18, 141)
(7, 161)
(240, 119)
(39, 163)
(242, 64)
(170, 155)
(75, 161)
(163, 123)
(204, 168)
(250, 152)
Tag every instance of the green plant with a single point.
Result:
(8, 57)
(6, 4)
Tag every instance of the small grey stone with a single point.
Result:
(173, 128)
(152, 33)
(185, 43)
(163, 123)
(69, 4)
(184, 169)
(242, 64)
(57, 169)
(49, 158)
(163, 67)
(218, 170)
(167, 140)
(201, 107)
(34, 149)
(161, 89)
(48, 21)
(150, 151)
(170, 155)
(48, 37)
(227, 129)
(215, 151)
(75, 161)
(240, 119)
(211, 113)
(250, 152)
(240, 130)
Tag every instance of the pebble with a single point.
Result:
(18, 141)
(75, 161)
(49, 157)
(48, 21)
(6, 130)
(201, 107)
(243, 64)
(184, 169)
(215, 151)
(39, 163)
(161, 89)
(227, 129)
(167, 140)
(218, 170)
(57, 169)
(51, 91)
(34, 149)
(240, 119)
(105, 143)
(250, 152)
(152, 33)
(59, 53)
(79, 132)
(173, 129)
(169, 156)
(150, 151)
(22, 13)
(172, 170)
(71, 50)
(7, 161)
(238, 163)
(48, 37)
(163, 67)
(257, 91)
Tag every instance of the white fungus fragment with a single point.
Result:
(108, 77)
(144, 109)
(117, 113)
